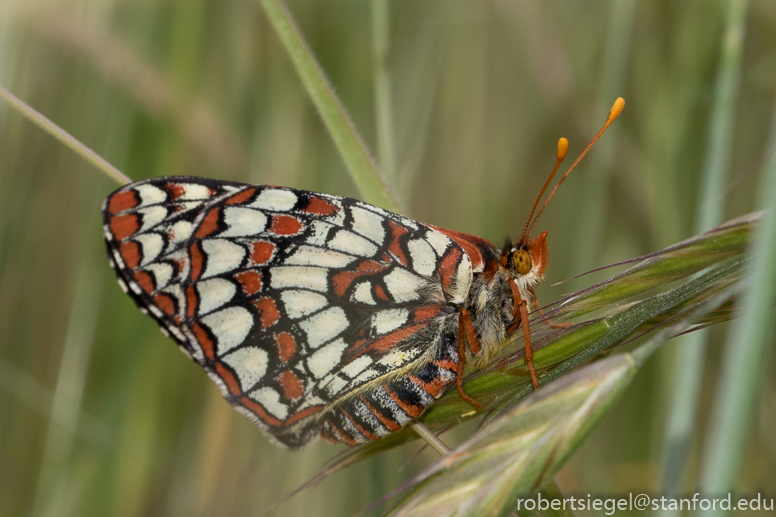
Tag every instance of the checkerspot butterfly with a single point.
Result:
(318, 315)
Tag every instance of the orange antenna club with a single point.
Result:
(617, 107)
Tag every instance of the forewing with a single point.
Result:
(289, 299)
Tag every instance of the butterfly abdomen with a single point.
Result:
(388, 406)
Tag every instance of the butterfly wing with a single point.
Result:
(294, 302)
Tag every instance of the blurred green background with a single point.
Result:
(102, 415)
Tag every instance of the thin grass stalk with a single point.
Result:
(433, 440)
(63, 136)
(351, 147)
(745, 355)
(689, 361)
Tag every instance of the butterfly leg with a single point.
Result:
(521, 310)
(466, 334)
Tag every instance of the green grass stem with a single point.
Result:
(351, 147)
(745, 356)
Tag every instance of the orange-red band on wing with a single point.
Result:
(130, 252)
(145, 281)
(448, 268)
(228, 377)
(123, 201)
(250, 282)
(261, 252)
(197, 261)
(268, 311)
(285, 225)
(320, 206)
(397, 232)
(344, 279)
(291, 384)
(122, 226)
(204, 340)
(263, 415)
(303, 414)
(286, 345)
(241, 197)
(471, 244)
(209, 223)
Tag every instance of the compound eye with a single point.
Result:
(522, 261)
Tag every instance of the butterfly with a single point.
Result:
(318, 315)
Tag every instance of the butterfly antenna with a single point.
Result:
(617, 107)
(563, 149)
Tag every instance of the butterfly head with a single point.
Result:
(526, 260)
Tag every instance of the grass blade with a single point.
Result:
(351, 147)
(745, 354)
